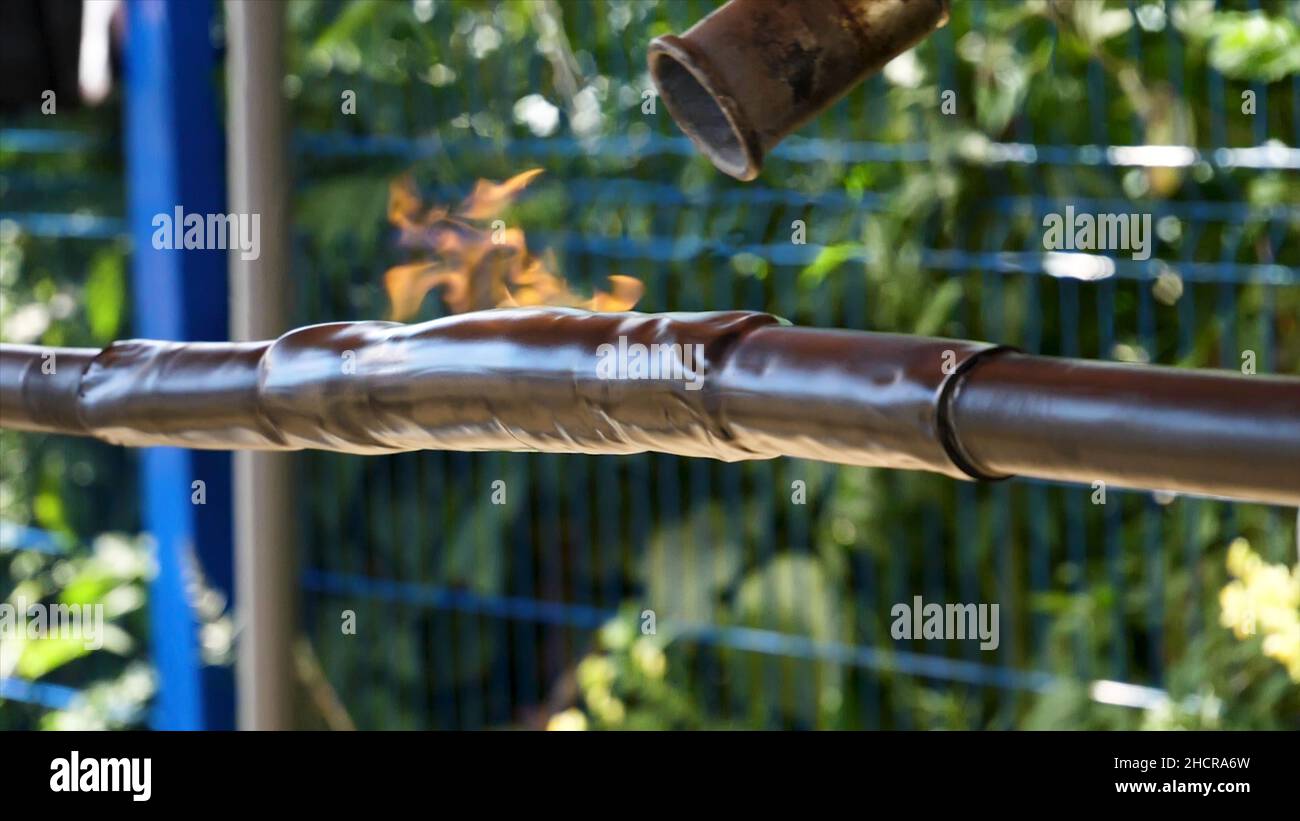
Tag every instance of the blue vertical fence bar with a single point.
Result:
(175, 158)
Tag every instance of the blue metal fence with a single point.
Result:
(478, 615)
(471, 614)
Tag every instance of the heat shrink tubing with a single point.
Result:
(727, 385)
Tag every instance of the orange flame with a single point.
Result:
(480, 268)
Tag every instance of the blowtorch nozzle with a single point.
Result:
(753, 71)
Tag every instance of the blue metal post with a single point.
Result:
(175, 157)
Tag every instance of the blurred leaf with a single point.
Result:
(939, 309)
(1268, 190)
(88, 587)
(48, 510)
(356, 16)
(1194, 17)
(1000, 86)
(45, 655)
(828, 259)
(106, 295)
(794, 595)
(1254, 46)
(1096, 23)
(687, 563)
(350, 207)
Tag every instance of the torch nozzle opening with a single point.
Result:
(705, 113)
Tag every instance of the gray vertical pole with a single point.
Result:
(259, 309)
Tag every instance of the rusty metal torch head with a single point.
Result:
(751, 72)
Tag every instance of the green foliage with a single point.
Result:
(108, 665)
(70, 290)
(1250, 45)
(105, 296)
(623, 685)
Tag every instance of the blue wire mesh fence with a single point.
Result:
(62, 235)
(769, 612)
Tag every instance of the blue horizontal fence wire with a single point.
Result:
(54, 141)
(809, 150)
(41, 694)
(67, 226)
(14, 536)
(584, 617)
